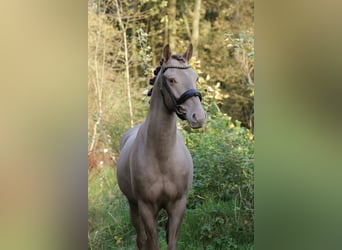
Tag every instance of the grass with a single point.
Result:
(108, 219)
(109, 227)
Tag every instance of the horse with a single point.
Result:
(155, 168)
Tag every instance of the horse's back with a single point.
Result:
(130, 134)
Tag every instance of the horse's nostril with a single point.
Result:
(194, 117)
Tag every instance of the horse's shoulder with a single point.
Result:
(129, 134)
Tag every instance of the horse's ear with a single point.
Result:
(188, 53)
(167, 53)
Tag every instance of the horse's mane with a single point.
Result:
(178, 57)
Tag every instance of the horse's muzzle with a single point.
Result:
(197, 119)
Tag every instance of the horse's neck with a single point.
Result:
(161, 126)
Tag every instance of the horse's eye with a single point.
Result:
(172, 81)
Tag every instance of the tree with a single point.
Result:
(195, 27)
(172, 25)
(124, 35)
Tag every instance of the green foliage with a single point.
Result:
(245, 41)
(223, 157)
(212, 225)
(144, 54)
(240, 103)
(108, 218)
(219, 62)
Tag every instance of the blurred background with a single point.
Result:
(46, 134)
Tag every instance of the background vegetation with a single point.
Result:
(125, 41)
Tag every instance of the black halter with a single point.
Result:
(178, 101)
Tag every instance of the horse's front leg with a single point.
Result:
(138, 225)
(148, 214)
(175, 212)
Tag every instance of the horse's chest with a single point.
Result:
(163, 180)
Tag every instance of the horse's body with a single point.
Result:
(155, 167)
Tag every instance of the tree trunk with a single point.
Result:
(98, 86)
(187, 27)
(123, 28)
(195, 27)
(134, 51)
(153, 45)
(166, 38)
(172, 23)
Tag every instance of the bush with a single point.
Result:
(221, 200)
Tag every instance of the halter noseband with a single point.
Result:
(177, 101)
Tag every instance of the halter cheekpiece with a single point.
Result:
(177, 101)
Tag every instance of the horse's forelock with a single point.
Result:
(179, 58)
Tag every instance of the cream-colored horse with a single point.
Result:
(155, 167)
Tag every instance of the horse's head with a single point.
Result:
(178, 87)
